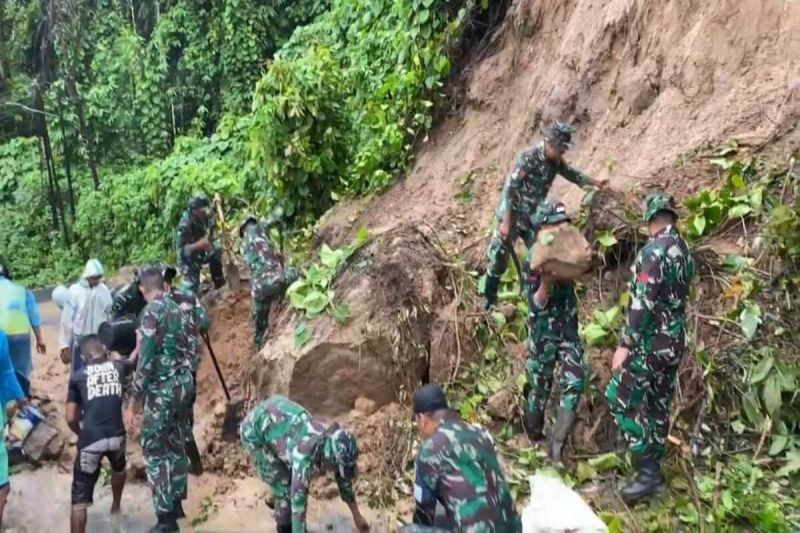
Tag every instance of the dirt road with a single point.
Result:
(40, 499)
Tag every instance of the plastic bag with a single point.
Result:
(554, 507)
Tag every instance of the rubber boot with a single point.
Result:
(564, 423)
(284, 528)
(179, 514)
(533, 424)
(490, 291)
(193, 454)
(166, 523)
(649, 480)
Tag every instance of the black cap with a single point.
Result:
(429, 398)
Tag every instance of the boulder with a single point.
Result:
(562, 252)
(501, 405)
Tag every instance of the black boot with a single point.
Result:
(649, 480)
(490, 291)
(283, 528)
(179, 514)
(166, 524)
(564, 423)
(533, 424)
(215, 267)
(193, 454)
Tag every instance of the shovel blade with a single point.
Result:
(234, 413)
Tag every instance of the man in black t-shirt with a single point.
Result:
(94, 414)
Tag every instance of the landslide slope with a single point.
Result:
(652, 86)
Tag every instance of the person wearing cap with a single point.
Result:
(458, 467)
(194, 246)
(645, 365)
(553, 338)
(268, 277)
(163, 385)
(87, 306)
(524, 190)
(195, 322)
(128, 301)
(19, 315)
(288, 447)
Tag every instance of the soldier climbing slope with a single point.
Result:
(288, 447)
(269, 278)
(651, 347)
(163, 383)
(194, 246)
(553, 338)
(457, 466)
(524, 189)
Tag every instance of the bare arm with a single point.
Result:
(74, 417)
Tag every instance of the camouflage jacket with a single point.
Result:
(128, 301)
(530, 182)
(458, 466)
(190, 230)
(194, 322)
(287, 431)
(162, 353)
(659, 287)
(266, 268)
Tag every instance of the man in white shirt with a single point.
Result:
(87, 306)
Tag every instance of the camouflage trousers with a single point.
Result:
(498, 252)
(553, 338)
(274, 473)
(190, 268)
(639, 397)
(261, 307)
(164, 430)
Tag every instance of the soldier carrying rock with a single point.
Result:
(194, 246)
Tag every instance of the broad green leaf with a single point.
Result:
(315, 302)
(605, 462)
(612, 314)
(761, 370)
(584, 472)
(737, 427)
(792, 465)
(341, 312)
(749, 319)
(606, 239)
(301, 335)
(330, 258)
(772, 395)
(521, 381)
(779, 443)
(737, 180)
(752, 410)
(722, 162)
(699, 224)
(362, 236)
(739, 210)
(613, 521)
(594, 333)
(499, 318)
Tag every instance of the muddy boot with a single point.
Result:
(649, 480)
(564, 424)
(533, 424)
(193, 454)
(490, 291)
(166, 524)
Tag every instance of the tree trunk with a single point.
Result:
(67, 166)
(51, 197)
(50, 164)
(83, 133)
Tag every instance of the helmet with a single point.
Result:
(60, 295)
(93, 269)
(4, 273)
(550, 212)
(658, 201)
(345, 451)
(560, 134)
(199, 201)
(248, 219)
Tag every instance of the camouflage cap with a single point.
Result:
(199, 201)
(560, 134)
(249, 218)
(345, 452)
(550, 212)
(658, 201)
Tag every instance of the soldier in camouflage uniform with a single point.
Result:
(553, 337)
(163, 383)
(128, 301)
(288, 447)
(268, 278)
(651, 346)
(457, 466)
(195, 322)
(194, 246)
(524, 189)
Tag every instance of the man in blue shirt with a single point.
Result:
(10, 396)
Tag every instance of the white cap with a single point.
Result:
(60, 295)
(93, 268)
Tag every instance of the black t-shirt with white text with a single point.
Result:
(97, 389)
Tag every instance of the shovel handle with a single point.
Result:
(216, 366)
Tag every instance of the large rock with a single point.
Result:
(390, 286)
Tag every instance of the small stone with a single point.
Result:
(365, 406)
(501, 405)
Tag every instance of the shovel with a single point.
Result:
(231, 270)
(234, 410)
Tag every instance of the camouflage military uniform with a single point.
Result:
(128, 301)
(288, 447)
(191, 230)
(268, 279)
(640, 393)
(523, 191)
(459, 468)
(164, 380)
